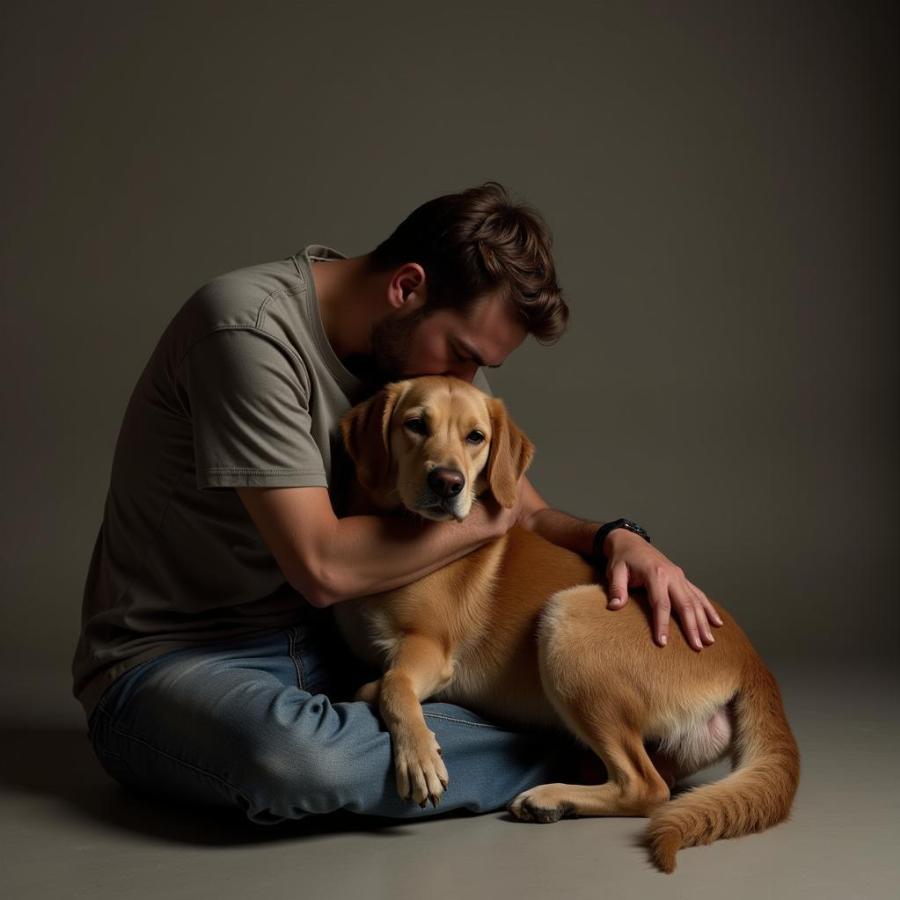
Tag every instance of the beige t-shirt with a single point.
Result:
(243, 388)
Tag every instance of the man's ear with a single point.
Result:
(366, 430)
(509, 456)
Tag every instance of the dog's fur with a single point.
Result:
(519, 630)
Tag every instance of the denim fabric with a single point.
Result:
(268, 725)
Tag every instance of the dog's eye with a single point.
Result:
(416, 425)
(475, 437)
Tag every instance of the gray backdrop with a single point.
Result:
(721, 183)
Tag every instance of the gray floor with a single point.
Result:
(68, 830)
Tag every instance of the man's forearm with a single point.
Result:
(556, 526)
(564, 530)
(370, 554)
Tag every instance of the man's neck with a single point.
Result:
(344, 294)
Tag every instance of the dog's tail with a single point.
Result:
(756, 795)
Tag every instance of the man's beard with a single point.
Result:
(391, 339)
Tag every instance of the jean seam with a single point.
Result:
(429, 715)
(295, 658)
(175, 759)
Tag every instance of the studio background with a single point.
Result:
(721, 186)
(721, 183)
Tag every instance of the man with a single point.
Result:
(208, 665)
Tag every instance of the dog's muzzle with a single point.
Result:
(442, 490)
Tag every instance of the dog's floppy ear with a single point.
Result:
(509, 456)
(366, 433)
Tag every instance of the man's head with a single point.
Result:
(459, 284)
(446, 341)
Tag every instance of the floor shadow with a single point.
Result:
(60, 762)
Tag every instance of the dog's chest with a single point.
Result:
(494, 667)
(450, 605)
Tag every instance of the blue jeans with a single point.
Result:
(268, 725)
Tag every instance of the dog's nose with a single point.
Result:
(446, 482)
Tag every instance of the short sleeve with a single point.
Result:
(249, 409)
(480, 381)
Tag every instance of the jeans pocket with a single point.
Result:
(295, 651)
(324, 664)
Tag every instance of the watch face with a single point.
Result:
(633, 526)
(604, 530)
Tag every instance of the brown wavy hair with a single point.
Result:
(477, 241)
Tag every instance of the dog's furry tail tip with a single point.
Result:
(664, 841)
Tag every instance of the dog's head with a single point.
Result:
(433, 444)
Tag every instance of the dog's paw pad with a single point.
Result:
(528, 808)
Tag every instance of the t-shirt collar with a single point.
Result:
(350, 384)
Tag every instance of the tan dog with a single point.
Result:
(519, 631)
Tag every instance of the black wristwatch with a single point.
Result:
(598, 555)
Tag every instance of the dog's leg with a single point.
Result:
(666, 765)
(634, 787)
(369, 692)
(420, 668)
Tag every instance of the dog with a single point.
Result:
(519, 630)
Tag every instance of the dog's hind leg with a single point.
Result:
(634, 787)
(585, 658)
(419, 668)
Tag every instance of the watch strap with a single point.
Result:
(604, 530)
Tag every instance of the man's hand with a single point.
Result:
(634, 562)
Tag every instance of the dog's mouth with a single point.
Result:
(439, 512)
(430, 505)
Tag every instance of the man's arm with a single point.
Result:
(553, 524)
(631, 562)
(327, 559)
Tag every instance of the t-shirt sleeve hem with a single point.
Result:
(222, 478)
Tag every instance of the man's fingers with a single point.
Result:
(659, 600)
(702, 614)
(711, 612)
(689, 598)
(618, 586)
(689, 624)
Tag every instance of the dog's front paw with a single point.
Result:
(541, 804)
(419, 767)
